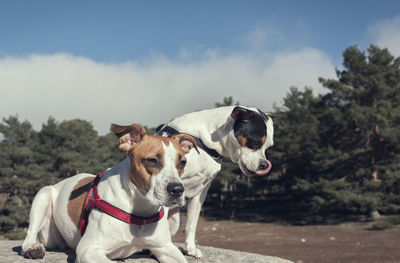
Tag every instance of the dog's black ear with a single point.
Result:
(129, 136)
(242, 114)
(263, 115)
(277, 121)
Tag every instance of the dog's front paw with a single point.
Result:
(35, 252)
(194, 252)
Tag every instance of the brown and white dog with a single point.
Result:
(147, 180)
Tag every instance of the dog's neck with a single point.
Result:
(142, 205)
(125, 195)
(213, 132)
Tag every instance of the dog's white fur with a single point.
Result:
(107, 238)
(215, 128)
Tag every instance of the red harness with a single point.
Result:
(111, 210)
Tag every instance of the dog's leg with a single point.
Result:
(96, 243)
(39, 219)
(193, 212)
(169, 254)
(50, 236)
(174, 220)
(91, 254)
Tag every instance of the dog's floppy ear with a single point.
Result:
(277, 121)
(186, 142)
(242, 114)
(129, 136)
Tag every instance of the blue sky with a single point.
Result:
(161, 53)
(113, 31)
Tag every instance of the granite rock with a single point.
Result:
(9, 253)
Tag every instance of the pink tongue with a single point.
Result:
(265, 171)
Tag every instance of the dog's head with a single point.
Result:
(156, 162)
(252, 135)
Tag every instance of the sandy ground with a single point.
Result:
(346, 242)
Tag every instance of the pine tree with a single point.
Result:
(18, 172)
(339, 152)
(77, 148)
(107, 153)
(367, 95)
(30, 160)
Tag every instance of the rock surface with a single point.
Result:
(9, 253)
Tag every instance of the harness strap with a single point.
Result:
(172, 131)
(111, 210)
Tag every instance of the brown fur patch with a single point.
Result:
(151, 147)
(142, 171)
(242, 141)
(77, 198)
(263, 139)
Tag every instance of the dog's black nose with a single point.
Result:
(175, 190)
(263, 165)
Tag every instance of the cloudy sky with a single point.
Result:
(150, 61)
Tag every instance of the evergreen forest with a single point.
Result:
(336, 159)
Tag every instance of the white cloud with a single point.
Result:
(386, 34)
(151, 92)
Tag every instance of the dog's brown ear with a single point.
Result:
(242, 114)
(129, 136)
(186, 142)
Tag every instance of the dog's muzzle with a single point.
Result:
(263, 168)
(175, 190)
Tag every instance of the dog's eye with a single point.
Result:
(252, 144)
(182, 164)
(152, 162)
(257, 143)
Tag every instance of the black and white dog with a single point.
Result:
(239, 133)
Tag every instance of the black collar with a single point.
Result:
(171, 131)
